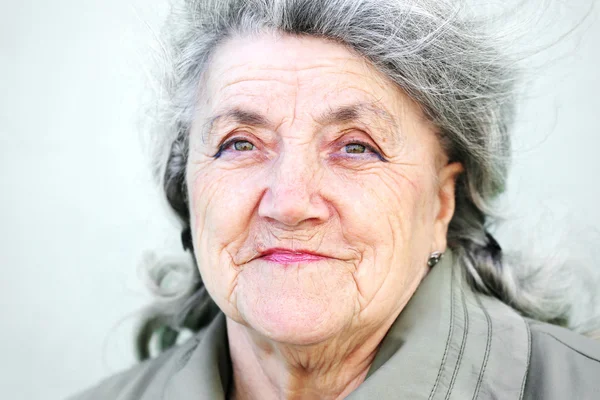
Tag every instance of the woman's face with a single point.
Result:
(317, 189)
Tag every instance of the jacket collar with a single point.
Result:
(203, 372)
(448, 343)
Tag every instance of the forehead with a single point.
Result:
(283, 52)
(285, 76)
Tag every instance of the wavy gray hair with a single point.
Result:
(436, 51)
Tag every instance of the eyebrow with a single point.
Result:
(339, 115)
(355, 112)
(237, 115)
(240, 116)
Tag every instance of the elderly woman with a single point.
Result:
(333, 164)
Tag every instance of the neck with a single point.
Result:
(329, 370)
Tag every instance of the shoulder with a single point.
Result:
(200, 366)
(563, 364)
(147, 378)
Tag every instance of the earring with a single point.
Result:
(186, 239)
(434, 258)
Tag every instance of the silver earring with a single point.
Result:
(434, 258)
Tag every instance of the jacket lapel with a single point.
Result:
(450, 343)
(205, 372)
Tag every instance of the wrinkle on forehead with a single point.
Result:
(362, 91)
(323, 54)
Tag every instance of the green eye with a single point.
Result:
(243, 145)
(355, 148)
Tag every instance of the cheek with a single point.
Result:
(380, 205)
(221, 202)
(385, 212)
(221, 207)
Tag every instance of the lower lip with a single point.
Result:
(292, 258)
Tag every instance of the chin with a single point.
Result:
(296, 311)
(296, 324)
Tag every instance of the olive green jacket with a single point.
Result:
(448, 343)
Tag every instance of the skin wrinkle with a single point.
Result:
(376, 261)
(298, 188)
(261, 122)
(295, 107)
(333, 64)
(381, 82)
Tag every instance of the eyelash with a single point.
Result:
(369, 147)
(228, 143)
(232, 141)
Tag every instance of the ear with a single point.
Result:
(445, 203)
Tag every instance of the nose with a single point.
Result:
(292, 196)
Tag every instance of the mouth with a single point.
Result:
(287, 256)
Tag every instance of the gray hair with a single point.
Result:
(437, 51)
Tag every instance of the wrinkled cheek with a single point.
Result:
(204, 217)
(423, 208)
(223, 206)
(394, 219)
(411, 196)
(401, 239)
(418, 225)
(201, 192)
(220, 212)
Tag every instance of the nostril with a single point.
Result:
(283, 205)
(291, 206)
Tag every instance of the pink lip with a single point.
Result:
(282, 256)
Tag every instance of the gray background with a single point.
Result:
(77, 206)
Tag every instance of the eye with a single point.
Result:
(235, 145)
(243, 145)
(359, 150)
(355, 148)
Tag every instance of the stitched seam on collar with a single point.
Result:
(570, 347)
(487, 347)
(462, 346)
(450, 331)
(528, 359)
